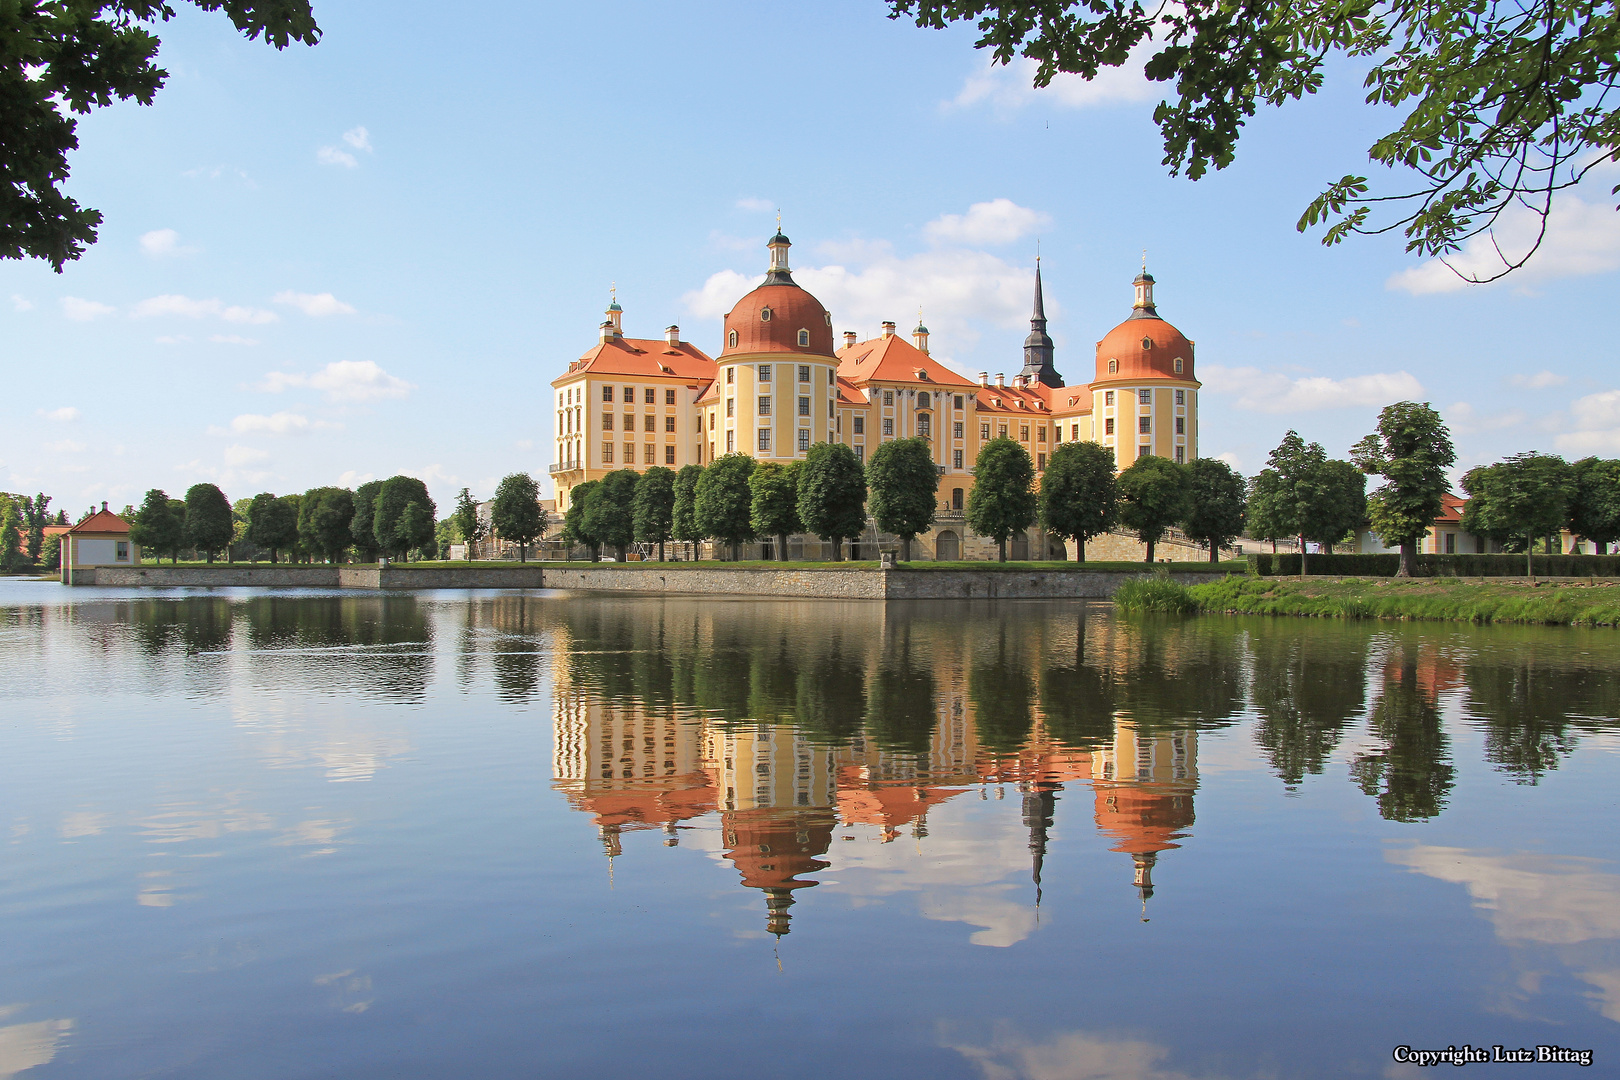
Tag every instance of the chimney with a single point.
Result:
(984, 378)
(1021, 381)
(672, 335)
(849, 339)
(606, 331)
(888, 329)
(103, 506)
(1001, 379)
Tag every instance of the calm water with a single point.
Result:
(306, 834)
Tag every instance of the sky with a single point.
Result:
(331, 264)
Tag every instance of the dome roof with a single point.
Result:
(791, 310)
(1145, 348)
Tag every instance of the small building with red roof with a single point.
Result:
(102, 539)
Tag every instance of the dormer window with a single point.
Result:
(765, 314)
(1178, 365)
(804, 339)
(1113, 365)
(731, 340)
(1147, 343)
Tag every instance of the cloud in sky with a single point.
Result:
(65, 415)
(21, 303)
(164, 243)
(1596, 420)
(1012, 86)
(238, 455)
(316, 304)
(999, 221)
(1464, 419)
(756, 205)
(343, 380)
(1274, 392)
(81, 310)
(281, 423)
(171, 304)
(1541, 380)
(65, 446)
(356, 138)
(1582, 238)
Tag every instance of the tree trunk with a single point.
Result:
(1408, 568)
(1274, 545)
(1079, 549)
(781, 547)
(1149, 552)
(1302, 558)
(736, 550)
(618, 551)
(660, 551)
(1529, 557)
(905, 549)
(1214, 551)
(1001, 550)
(523, 553)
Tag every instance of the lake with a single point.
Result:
(501, 834)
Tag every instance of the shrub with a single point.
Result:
(1154, 593)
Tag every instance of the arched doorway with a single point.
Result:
(1020, 547)
(948, 547)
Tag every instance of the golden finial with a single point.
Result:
(1144, 260)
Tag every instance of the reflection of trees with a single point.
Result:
(1531, 707)
(900, 712)
(831, 695)
(1078, 700)
(515, 655)
(197, 623)
(1184, 674)
(1307, 689)
(1002, 691)
(1412, 775)
(377, 643)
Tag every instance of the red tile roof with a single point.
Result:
(896, 360)
(643, 358)
(102, 521)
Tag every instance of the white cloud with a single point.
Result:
(1274, 392)
(1068, 1055)
(314, 303)
(1012, 86)
(281, 423)
(1232, 460)
(756, 205)
(353, 479)
(238, 455)
(1582, 238)
(23, 1046)
(172, 339)
(342, 380)
(81, 310)
(164, 243)
(65, 415)
(1596, 420)
(65, 446)
(1463, 419)
(232, 339)
(21, 303)
(1541, 380)
(433, 474)
(999, 221)
(357, 138)
(171, 304)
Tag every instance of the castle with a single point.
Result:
(781, 384)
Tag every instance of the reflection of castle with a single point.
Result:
(1144, 795)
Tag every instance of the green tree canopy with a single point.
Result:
(11, 539)
(832, 494)
(1152, 498)
(904, 483)
(1594, 512)
(1265, 511)
(722, 501)
(516, 514)
(395, 529)
(156, 527)
(35, 515)
(1527, 495)
(324, 514)
(653, 507)
(209, 527)
(272, 524)
(1215, 498)
(1079, 495)
(58, 59)
(362, 530)
(1339, 507)
(1411, 450)
(683, 525)
(468, 523)
(1499, 104)
(774, 506)
(1003, 499)
(576, 520)
(612, 511)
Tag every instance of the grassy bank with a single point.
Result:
(1562, 604)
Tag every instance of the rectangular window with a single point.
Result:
(629, 395)
(804, 439)
(1040, 462)
(832, 409)
(669, 423)
(1181, 425)
(711, 419)
(731, 440)
(888, 425)
(1144, 450)
(832, 377)
(1040, 434)
(1074, 432)
(984, 431)
(956, 430)
(607, 421)
(651, 423)
(121, 554)
(888, 397)
(731, 406)
(956, 459)
(958, 402)
(956, 498)
(1181, 397)
(804, 372)
(804, 406)
(649, 456)
(764, 373)
(1451, 544)
(1023, 433)
(1057, 433)
(669, 397)
(925, 427)
(669, 455)
(651, 397)
(1145, 397)
(1181, 455)
(860, 425)
(607, 453)
(607, 393)
(1108, 397)
(629, 421)
(860, 451)
(629, 453)
(764, 438)
(1144, 425)
(731, 375)
(1108, 426)
(1002, 431)
(764, 406)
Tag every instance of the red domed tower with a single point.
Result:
(1144, 396)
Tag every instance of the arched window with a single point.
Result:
(1113, 365)
(1147, 343)
(731, 340)
(804, 338)
(1178, 365)
(765, 314)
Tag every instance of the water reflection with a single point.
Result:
(1411, 774)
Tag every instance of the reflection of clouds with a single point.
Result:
(82, 823)
(1006, 921)
(318, 833)
(158, 892)
(1070, 1055)
(177, 823)
(291, 736)
(350, 992)
(358, 759)
(22, 1046)
(1552, 900)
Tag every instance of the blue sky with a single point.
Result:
(324, 265)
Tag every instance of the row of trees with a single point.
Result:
(23, 542)
(1530, 496)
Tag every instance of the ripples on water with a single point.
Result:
(502, 834)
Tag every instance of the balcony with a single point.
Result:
(565, 467)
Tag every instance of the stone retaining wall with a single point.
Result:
(860, 583)
(238, 574)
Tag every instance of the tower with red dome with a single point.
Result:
(1144, 399)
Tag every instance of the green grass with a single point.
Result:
(1091, 566)
(1156, 592)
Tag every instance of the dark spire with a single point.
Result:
(1037, 346)
(1038, 805)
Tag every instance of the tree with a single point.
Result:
(50, 554)
(683, 525)
(468, 522)
(417, 530)
(613, 513)
(1003, 500)
(516, 514)
(1215, 497)
(394, 530)
(904, 485)
(653, 507)
(576, 524)
(1501, 104)
(774, 506)
(721, 501)
(362, 530)
(62, 58)
(156, 527)
(324, 514)
(11, 552)
(832, 494)
(1297, 467)
(1265, 511)
(1594, 513)
(1079, 495)
(1152, 497)
(291, 504)
(1340, 503)
(269, 526)
(208, 520)
(36, 515)
(1411, 450)
(1527, 496)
